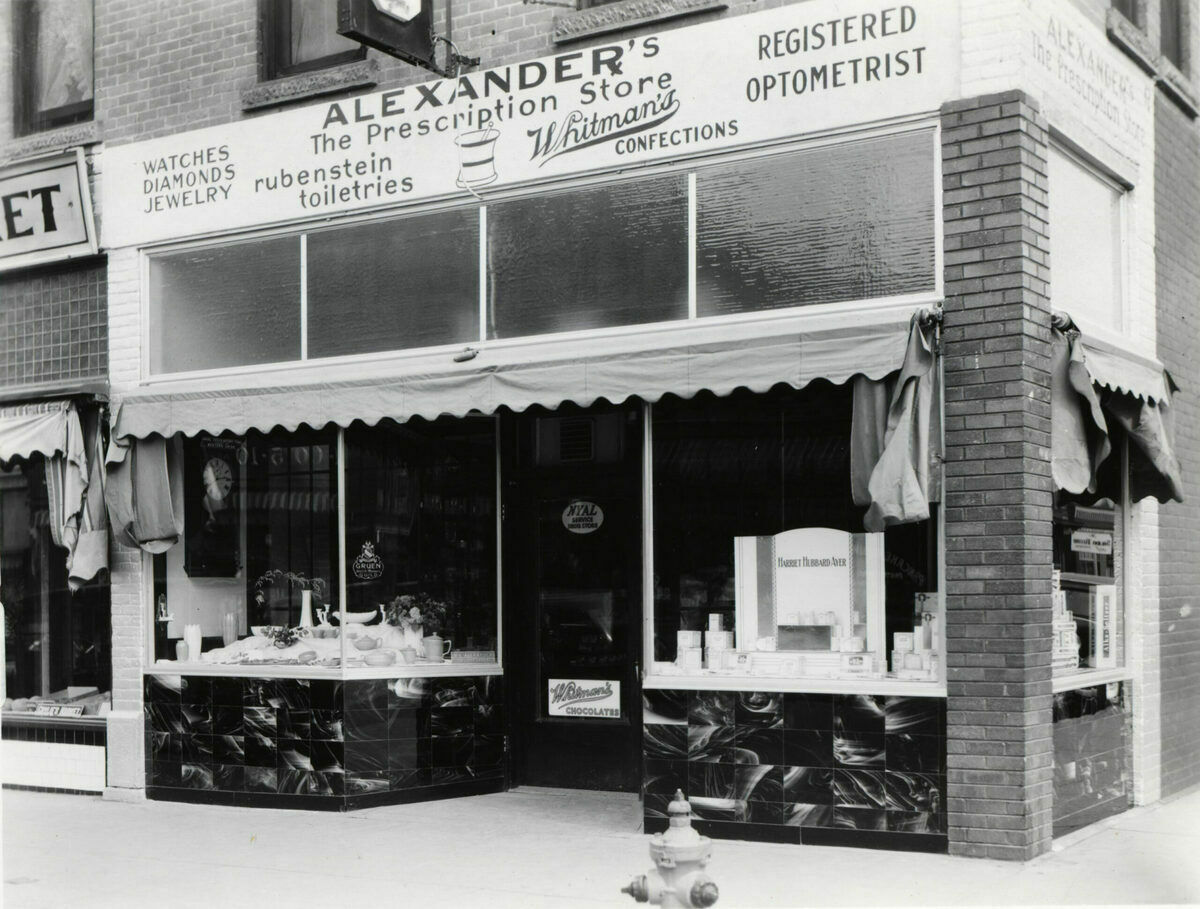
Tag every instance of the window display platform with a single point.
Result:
(816, 769)
(322, 744)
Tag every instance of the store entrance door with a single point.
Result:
(572, 551)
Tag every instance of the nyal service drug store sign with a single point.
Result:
(741, 81)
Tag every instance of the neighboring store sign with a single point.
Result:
(58, 710)
(1104, 605)
(1099, 542)
(585, 698)
(582, 517)
(401, 28)
(741, 81)
(1081, 76)
(45, 211)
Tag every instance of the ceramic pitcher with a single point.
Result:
(436, 648)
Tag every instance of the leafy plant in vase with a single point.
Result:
(417, 616)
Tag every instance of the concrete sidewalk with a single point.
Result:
(531, 848)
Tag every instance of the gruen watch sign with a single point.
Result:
(741, 81)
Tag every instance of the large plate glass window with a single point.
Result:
(259, 551)
(421, 529)
(53, 63)
(761, 563)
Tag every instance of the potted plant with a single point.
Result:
(418, 615)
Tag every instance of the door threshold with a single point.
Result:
(559, 792)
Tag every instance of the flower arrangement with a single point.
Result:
(282, 636)
(418, 610)
(316, 585)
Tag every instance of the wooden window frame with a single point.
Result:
(275, 31)
(27, 119)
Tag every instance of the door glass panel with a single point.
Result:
(583, 607)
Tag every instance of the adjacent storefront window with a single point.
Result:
(1087, 279)
(761, 563)
(57, 643)
(843, 222)
(255, 580)
(1088, 620)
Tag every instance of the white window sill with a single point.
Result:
(883, 685)
(1088, 678)
(347, 673)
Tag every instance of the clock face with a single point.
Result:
(404, 10)
(218, 479)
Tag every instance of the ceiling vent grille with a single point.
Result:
(575, 440)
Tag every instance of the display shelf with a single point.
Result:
(275, 671)
(883, 685)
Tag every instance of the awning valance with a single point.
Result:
(35, 428)
(791, 351)
(1096, 389)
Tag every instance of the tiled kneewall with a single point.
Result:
(322, 744)
(822, 769)
(1093, 756)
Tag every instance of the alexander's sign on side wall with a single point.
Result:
(45, 211)
(741, 81)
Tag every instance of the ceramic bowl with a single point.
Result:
(355, 617)
(365, 643)
(380, 658)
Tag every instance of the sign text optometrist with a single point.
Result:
(594, 698)
(45, 211)
(744, 80)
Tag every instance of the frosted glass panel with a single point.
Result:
(1085, 243)
(390, 285)
(845, 222)
(225, 306)
(593, 258)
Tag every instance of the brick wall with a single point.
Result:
(998, 488)
(1177, 197)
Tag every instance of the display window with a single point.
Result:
(1088, 619)
(329, 549)
(57, 643)
(762, 565)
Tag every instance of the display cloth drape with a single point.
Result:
(74, 477)
(1096, 391)
(895, 434)
(145, 509)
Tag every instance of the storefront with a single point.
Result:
(520, 430)
(53, 531)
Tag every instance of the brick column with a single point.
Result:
(998, 488)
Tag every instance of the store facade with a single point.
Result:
(642, 418)
(53, 536)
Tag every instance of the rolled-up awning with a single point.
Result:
(757, 355)
(1096, 388)
(35, 428)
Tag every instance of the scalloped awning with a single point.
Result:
(28, 429)
(795, 352)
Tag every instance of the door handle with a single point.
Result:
(637, 671)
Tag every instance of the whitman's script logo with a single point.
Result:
(578, 130)
(566, 693)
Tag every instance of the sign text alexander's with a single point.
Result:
(695, 90)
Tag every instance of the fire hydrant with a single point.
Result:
(679, 856)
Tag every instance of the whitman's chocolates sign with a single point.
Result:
(592, 698)
(741, 81)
